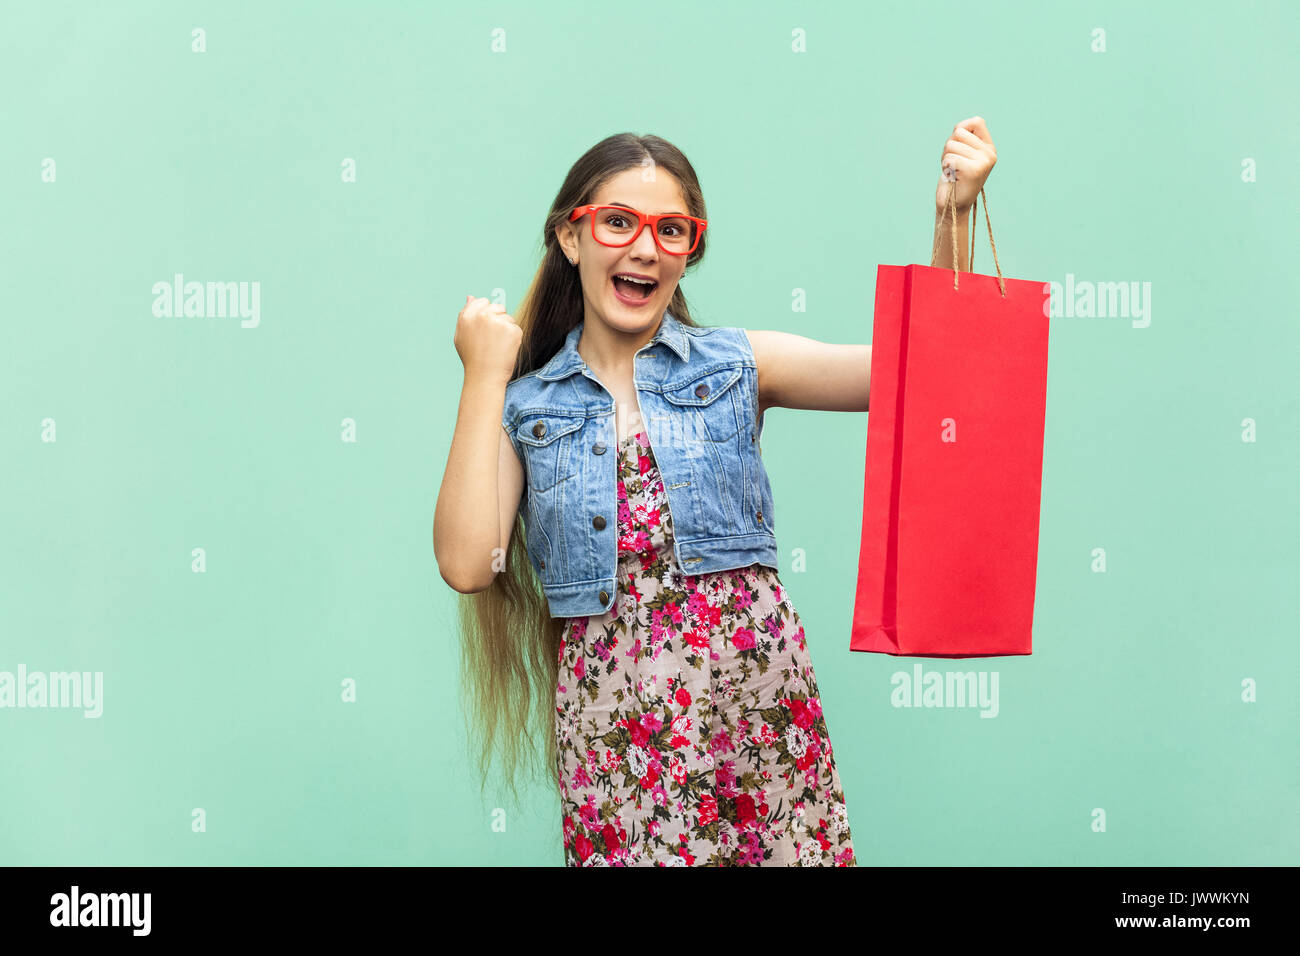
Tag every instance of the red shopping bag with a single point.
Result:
(957, 407)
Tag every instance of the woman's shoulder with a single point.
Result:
(521, 393)
(724, 341)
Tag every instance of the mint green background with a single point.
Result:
(222, 689)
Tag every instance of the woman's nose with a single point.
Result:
(645, 241)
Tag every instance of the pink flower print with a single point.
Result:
(751, 851)
(588, 812)
(705, 614)
(775, 625)
(745, 815)
(697, 638)
(708, 810)
(636, 541)
(721, 742)
(650, 777)
(803, 717)
(717, 591)
(678, 739)
(581, 778)
(724, 773)
(605, 646)
(677, 769)
(645, 516)
(743, 639)
(639, 735)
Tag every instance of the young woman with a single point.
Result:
(606, 512)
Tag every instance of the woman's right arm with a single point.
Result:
(478, 499)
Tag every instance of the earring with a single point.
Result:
(573, 262)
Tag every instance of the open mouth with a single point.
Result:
(634, 288)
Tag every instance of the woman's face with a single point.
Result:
(652, 191)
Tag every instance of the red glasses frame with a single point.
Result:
(643, 219)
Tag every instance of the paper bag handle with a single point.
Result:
(951, 210)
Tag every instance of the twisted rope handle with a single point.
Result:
(952, 210)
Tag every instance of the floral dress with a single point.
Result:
(688, 722)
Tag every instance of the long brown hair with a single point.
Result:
(510, 643)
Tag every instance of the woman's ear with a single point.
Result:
(564, 234)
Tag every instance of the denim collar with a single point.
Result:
(567, 360)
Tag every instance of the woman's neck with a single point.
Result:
(610, 350)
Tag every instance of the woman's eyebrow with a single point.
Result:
(626, 206)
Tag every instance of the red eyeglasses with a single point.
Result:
(620, 225)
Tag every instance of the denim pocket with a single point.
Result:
(710, 403)
(544, 438)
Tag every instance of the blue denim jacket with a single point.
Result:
(698, 394)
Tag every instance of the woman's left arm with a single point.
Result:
(799, 372)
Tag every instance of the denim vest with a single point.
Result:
(698, 394)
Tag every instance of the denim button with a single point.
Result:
(539, 429)
(598, 448)
(760, 517)
(604, 596)
(702, 389)
(598, 522)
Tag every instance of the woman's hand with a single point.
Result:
(487, 339)
(970, 154)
